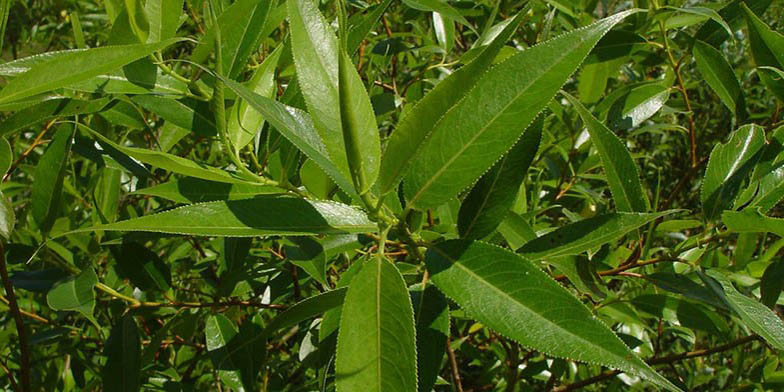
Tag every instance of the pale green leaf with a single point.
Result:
(164, 18)
(74, 293)
(376, 341)
(751, 221)
(7, 217)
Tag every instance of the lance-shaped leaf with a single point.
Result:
(74, 293)
(755, 315)
(714, 33)
(360, 132)
(315, 50)
(619, 167)
(751, 221)
(478, 130)
(185, 113)
(241, 28)
(767, 49)
(487, 204)
(767, 186)
(441, 7)
(7, 155)
(431, 313)
(772, 283)
(244, 121)
(296, 126)
(414, 127)
(260, 216)
(637, 105)
(720, 77)
(171, 162)
(376, 341)
(7, 217)
(586, 234)
(123, 351)
(194, 190)
(219, 332)
(48, 179)
(75, 66)
(359, 29)
(49, 109)
(509, 294)
(729, 165)
(164, 18)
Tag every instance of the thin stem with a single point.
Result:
(453, 367)
(20, 328)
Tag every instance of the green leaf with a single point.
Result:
(185, 113)
(48, 178)
(767, 186)
(75, 293)
(170, 162)
(720, 77)
(218, 333)
(241, 28)
(509, 294)
(376, 340)
(441, 7)
(360, 132)
(637, 105)
(244, 121)
(751, 221)
(123, 351)
(431, 315)
(7, 217)
(586, 234)
(164, 18)
(260, 216)
(755, 315)
(729, 165)
(75, 66)
(107, 194)
(619, 167)
(417, 123)
(306, 309)
(767, 49)
(772, 283)
(6, 156)
(358, 30)
(479, 129)
(714, 34)
(49, 109)
(312, 254)
(315, 50)
(487, 204)
(194, 190)
(5, 8)
(708, 14)
(143, 267)
(296, 126)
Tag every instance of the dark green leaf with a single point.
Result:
(123, 351)
(50, 109)
(719, 76)
(431, 314)
(193, 190)
(48, 180)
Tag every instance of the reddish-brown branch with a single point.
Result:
(24, 349)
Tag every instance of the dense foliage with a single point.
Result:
(396, 196)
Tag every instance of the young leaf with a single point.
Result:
(296, 126)
(619, 167)
(75, 293)
(720, 77)
(315, 50)
(509, 294)
(414, 127)
(755, 315)
(728, 166)
(123, 351)
(260, 216)
(767, 49)
(431, 314)
(194, 190)
(48, 179)
(586, 234)
(376, 340)
(751, 221)
(244, 121)
(241, 28)
(479, 129)
(360, 132)
(487, 204)
(75, 66)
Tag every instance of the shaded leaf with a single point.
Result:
(123, 351)
(431, 315)
(75, 293)
(751, 221)
(720, 77)
(48, 179)
(49, 109)
(767, 49)
(194, 190)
